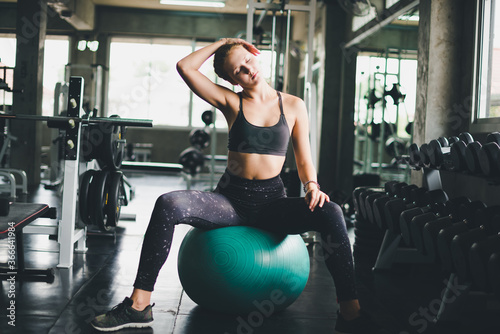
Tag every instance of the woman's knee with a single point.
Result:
(331, 217)
(332, 209)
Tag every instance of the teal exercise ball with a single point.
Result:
(240, 269)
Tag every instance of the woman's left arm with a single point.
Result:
(302, 150)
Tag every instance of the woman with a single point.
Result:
(261, 122)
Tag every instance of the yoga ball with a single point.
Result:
(240, 269)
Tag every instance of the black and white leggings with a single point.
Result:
(257, 203)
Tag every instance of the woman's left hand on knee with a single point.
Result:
(315, 197)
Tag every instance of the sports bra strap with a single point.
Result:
(280, 102)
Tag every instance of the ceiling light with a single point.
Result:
(93, 45)
(200, 3)
(82, 45)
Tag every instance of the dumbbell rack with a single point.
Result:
(391, 253)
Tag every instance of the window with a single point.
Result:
(145, 83)
(54, 64)
(7, 59)
(376, 78)
(487, 65)
(55, 60)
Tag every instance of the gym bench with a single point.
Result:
(11, 228)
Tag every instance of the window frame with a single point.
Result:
(481, 89)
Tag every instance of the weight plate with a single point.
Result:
(494, 273)
(472, 157)
(488, 158)
(457, 153)
(115, 196)
(493, 137)
(479, 255)
(435, 153)
(466, 138)
(112, 149)
(452, 139)
(414, 153)
(83, 196)
(99, 200)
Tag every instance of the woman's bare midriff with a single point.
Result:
(254, 166)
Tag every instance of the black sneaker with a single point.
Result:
(361, 325)
(123, 316)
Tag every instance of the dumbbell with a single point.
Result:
(462, 243)
(357, 201)
(489, 155)
(479, 255)
(415, 159)
(402, 191)
(362, 199)
(494, 273)
(392, 190)
(356, 193)
(413, 220)
(472, 157)
(446, 235)
(438, 151)
(430, 232)
(418, 198)
(457, 151)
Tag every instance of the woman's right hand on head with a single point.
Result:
(249, 46)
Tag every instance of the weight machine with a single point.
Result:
(6, 172)
(68, 230)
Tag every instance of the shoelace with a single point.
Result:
(116, 309)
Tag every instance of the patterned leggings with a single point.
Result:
(257, 203)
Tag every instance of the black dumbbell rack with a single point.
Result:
(391, 252)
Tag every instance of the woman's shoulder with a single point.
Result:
(293, 103)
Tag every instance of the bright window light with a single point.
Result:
(207, 3)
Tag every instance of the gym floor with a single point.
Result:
(403, 299)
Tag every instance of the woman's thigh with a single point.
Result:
(197, 208)
(292, 215)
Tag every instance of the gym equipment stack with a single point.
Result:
(409, 224)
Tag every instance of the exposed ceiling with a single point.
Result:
(232, 6)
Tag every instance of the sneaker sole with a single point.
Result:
(129, 325)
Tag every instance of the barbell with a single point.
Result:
(70, 122)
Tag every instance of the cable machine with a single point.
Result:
(280, 64)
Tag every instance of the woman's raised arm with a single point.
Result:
(188, 68)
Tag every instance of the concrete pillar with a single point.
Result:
(30, 34)
(438, 74)
(337, 130)
(439, 62)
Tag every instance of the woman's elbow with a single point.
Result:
(180, 67)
